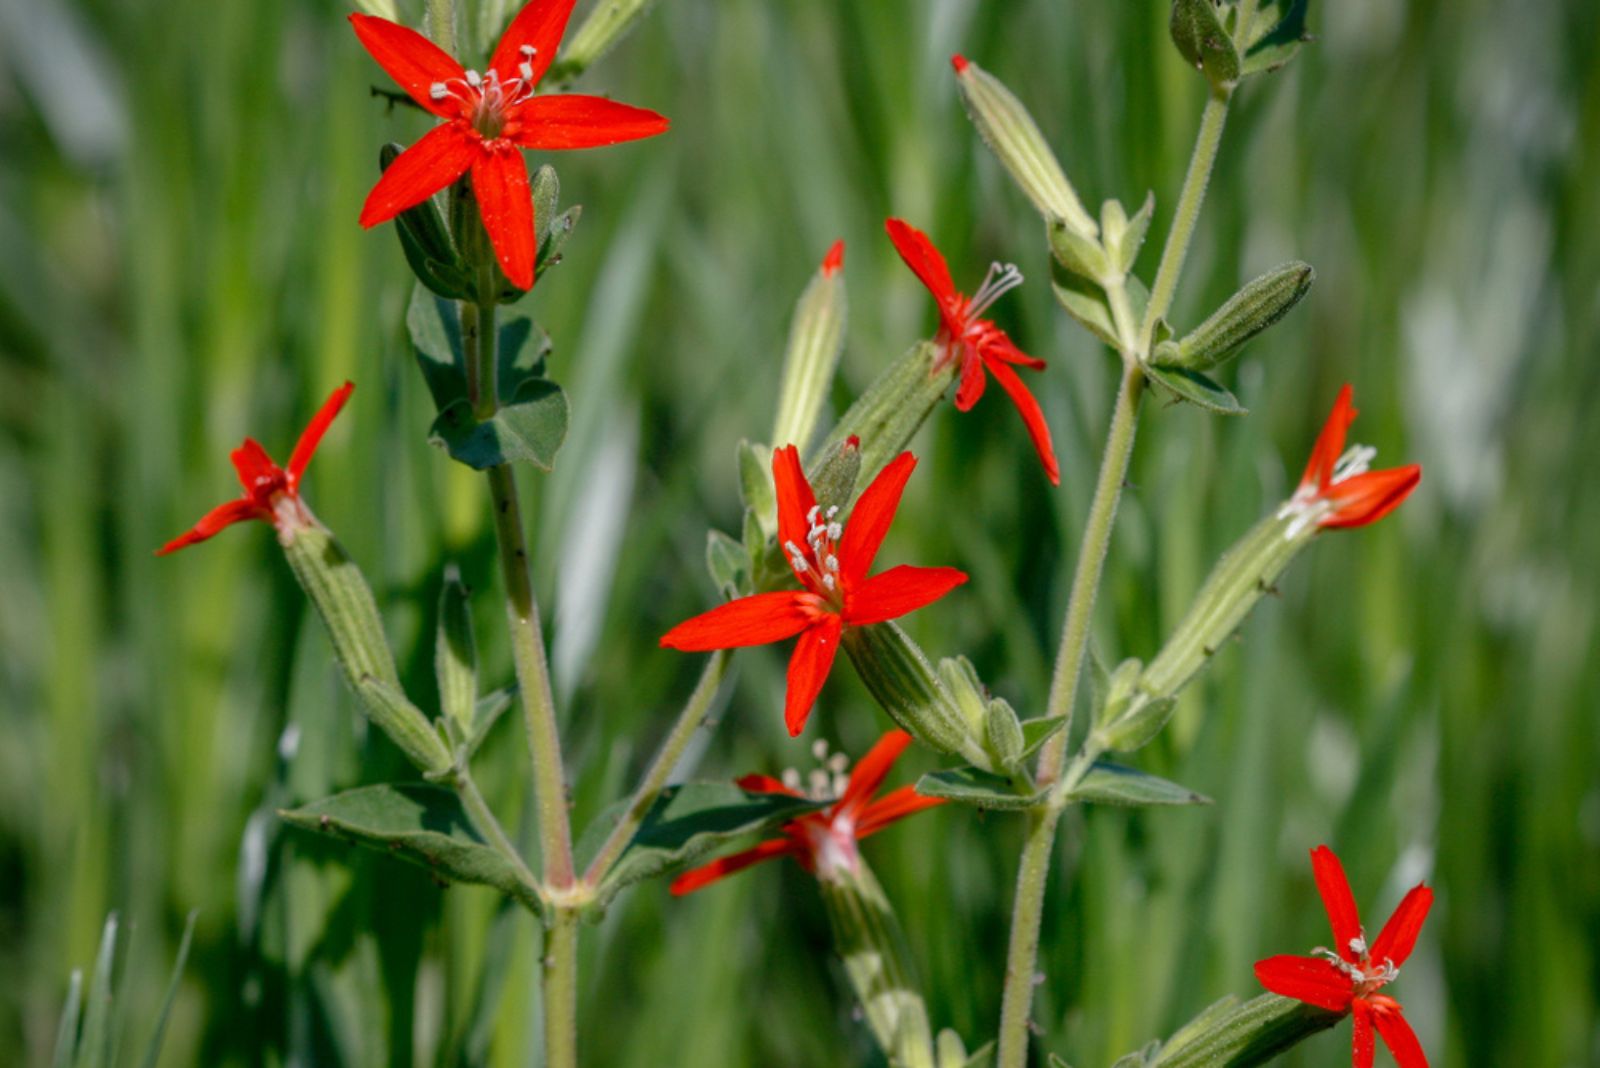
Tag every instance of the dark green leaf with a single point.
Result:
(1277, 41)
(435, 328)
(530, 430)
(1197, 30)
(423, 824)
(1196, 388)
(687, 822)
(521, 348)
(1113, 784)
(982, 789)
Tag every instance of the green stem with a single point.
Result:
(655, 779)
(1193, 195)
(560, 990)
(442, 24)
(484, 820)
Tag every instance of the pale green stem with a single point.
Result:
(1034, 869)
(442, 24)
(560, 991)
(1247, 15)
(1189, 200)
(483, 819)
(655, 779)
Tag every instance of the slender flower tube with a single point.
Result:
(271, 492)
(830, 559)
(487, 117)
(825, 842)
(1347, 978)
(977, 343)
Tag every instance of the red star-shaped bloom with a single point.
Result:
(1347, 977)
(270, 492)
(488, 118)
(977, 343)
(825, 842)
(831, 560)
(1337, 490)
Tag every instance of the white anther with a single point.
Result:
(1354, 462)
(811, 516)
(819, 749)
(835, 530)
(828, 582)
(831, 563)
(838, 762)
(528, 51)
(841, 783)
(438, 91)
(791, 778)
(474, 79)
(1358, 945)
(821, 784)
(833, 510)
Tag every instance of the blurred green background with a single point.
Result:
(180, 265)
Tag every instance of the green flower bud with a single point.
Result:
(892, 409)
(816, 338)
(1245, 314)
(899, 677)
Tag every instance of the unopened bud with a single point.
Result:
(961, 682)
(1198, 32)
(816, 338)
(1245, 314)
(1013, 136)
(1081, 255)
(455, 654)
(1003, 733)
(892, 409)
(900, 679)
(607, 24)
(1121, 236)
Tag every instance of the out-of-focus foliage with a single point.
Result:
(180, 266)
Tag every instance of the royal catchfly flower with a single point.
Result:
(977, 343)
(270, 492)
(1347, 978)
(825, 842)
(831, 559)
(1337, 490)
(488, 118)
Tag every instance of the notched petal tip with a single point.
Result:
(833, 262)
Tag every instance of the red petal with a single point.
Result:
(972, 380)
(254, 467)
(1337, 899)
(1397, 1034)
(892, 807)
(691, 881)
(500, 182)
(1362, 1046)
(439, 157)
(765, 784)
(311, 437)
(899, 591)
(1032, 418)
(1399, 935)
(1330, 443)
(795, 499)
(569, 120)
(1312, 980)
(833, 262)
(224, 515)
(1367, 498)
(754, 620)
(808, 669)
(923, 259)
(413, 61)
(872, 769)
(997, 346)
(869, 520)
(540, 24)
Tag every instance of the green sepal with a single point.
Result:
(1037, 731)
(1255, 307)
(1003, 733)
(488, 709)
(891, 411)
(897, 674)
(982, 1057)
(755, 485)
(551, 228)
(685, 823)
(405, 724)
(1085, 301)
(981, 789)
(1113, 784)
(1243, 1035)
(419, 823)
(729, 564)
(1081, 255)
(1138, 724)
(1122, 236)
(1196, 388)
(425, 240)
(1198, 32)
(530, 429)
(1279, 40)
(455, 654)
(951, 1052)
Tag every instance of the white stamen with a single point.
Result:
(526, 70)
(811, 516)
(438, 91)
(819, 749)
(831, 563)
(791, 778)
(829, 582)
(835, 531)
(833, 510)
(1355, 461)
(838, 763)
(1358, 945)
(474, 79)
(1002, 277)
(820, 783)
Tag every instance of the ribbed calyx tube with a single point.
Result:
(1245, 573)
(899, 677)
(878, 962)
(815, 339)
(892, 410)
(343, 600)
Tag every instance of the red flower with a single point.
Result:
(488, 117)
(1347, 977)
(825, 842)
(270, 492)
(978, 343)
(1337, 490)
(831, 563)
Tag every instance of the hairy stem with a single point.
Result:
(484, 820)
(560, 990)
(655, 779)
(442, 24)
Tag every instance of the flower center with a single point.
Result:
(826, 781)
(1365, 976)
(817, 563)
(1311, 502)
(485, 98)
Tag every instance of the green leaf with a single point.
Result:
(455, 653)
(1084, 301)
(1196, 388)
(729, 564)
(423, 824)
(1137, 725)
(530, 430)
(981, 789)
(94, 1044)
(1197, 30)
(1279, 41)
(521, 348)
(1035, 732)
(1241, 1036)
(489, 709)
(687, 822)
(66, 1048)
(1113, 784)
(435, 329)
(152, 1049)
